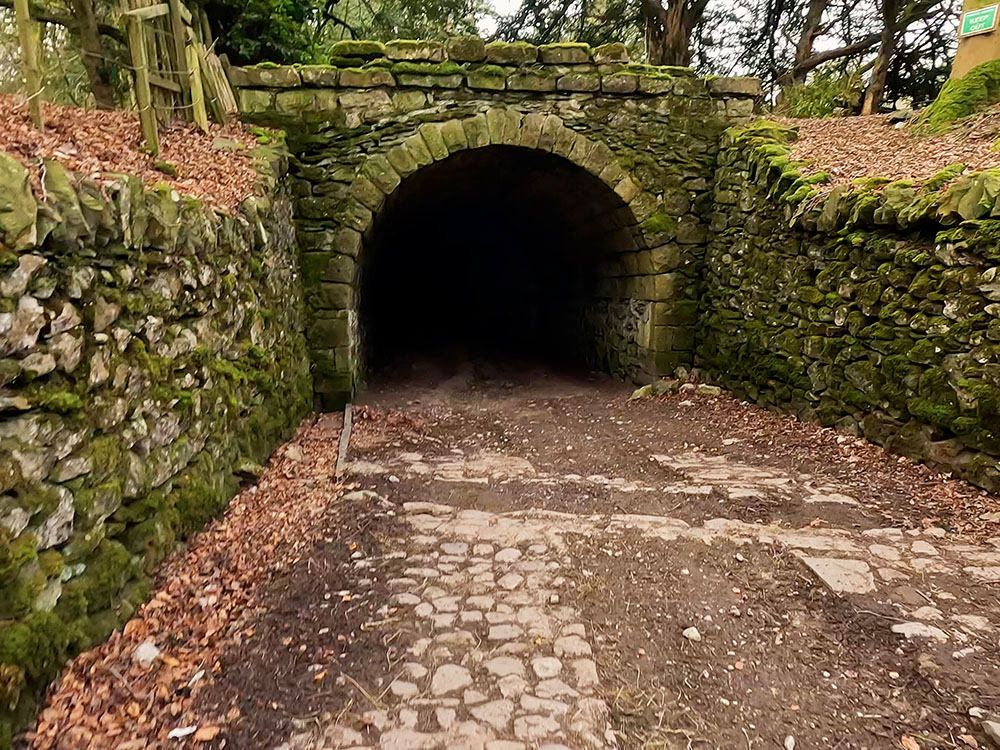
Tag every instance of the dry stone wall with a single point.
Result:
(874, 307)
(151, 351)
(378, 113)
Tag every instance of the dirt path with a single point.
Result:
(581, 571)
(523, 560)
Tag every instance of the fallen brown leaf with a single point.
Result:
(204, 734)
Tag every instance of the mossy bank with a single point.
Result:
(873, 307)
(151, 349)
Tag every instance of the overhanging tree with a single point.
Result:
(89, 23)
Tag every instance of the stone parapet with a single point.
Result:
(469, 63)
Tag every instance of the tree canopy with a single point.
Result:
(814, 56)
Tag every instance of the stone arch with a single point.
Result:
(643, 278)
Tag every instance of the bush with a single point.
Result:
(828, 93)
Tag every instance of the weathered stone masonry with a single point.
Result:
(150, 350)
(873, 307)
(358, 127)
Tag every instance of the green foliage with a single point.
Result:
(252, 31)
(828, 93)
(388, 20)
(592, 23)
(961, 97)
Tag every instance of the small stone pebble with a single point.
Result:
(692, 633)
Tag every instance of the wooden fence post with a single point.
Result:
(137, 46)
(178, 32)
(29, 55)
(197, 91)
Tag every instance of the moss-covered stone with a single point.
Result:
(855, 306)
(366, 50)
(422, 50)
(961, 97)
(564, 53)
(466, 49)
(127, 435)
(511, 53)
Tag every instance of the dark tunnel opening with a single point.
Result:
(492, 254)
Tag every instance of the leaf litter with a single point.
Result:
(93, 142)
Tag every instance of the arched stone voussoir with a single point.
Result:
(629, 282)
(367, 193)
(431, 134)
(381, 174)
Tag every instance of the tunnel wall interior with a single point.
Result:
(362, 127)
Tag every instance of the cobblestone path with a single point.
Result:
(502, 653)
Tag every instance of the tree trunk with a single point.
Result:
(810, 30)
(92, 53)
(880, 68)
(668, 30)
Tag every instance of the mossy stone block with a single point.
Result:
(564, 53)
(511, 53)
(294, 102)
(619, 83)
(610, 53)
(422, 50)
(579, 82)
(255, 101)
(531, 81)
(429, 81)
(284, 76)
(366, 78)
(466, 49)
(655, 86)
(485, 81)
(366, 50)
(319, 75)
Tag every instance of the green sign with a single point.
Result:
(980, 21)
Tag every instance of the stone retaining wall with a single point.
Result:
(873, 307)
(378, 113)
(151, 351)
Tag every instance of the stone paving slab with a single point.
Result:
(502, 663)
(499, 663)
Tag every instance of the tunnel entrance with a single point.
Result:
(498, 253)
